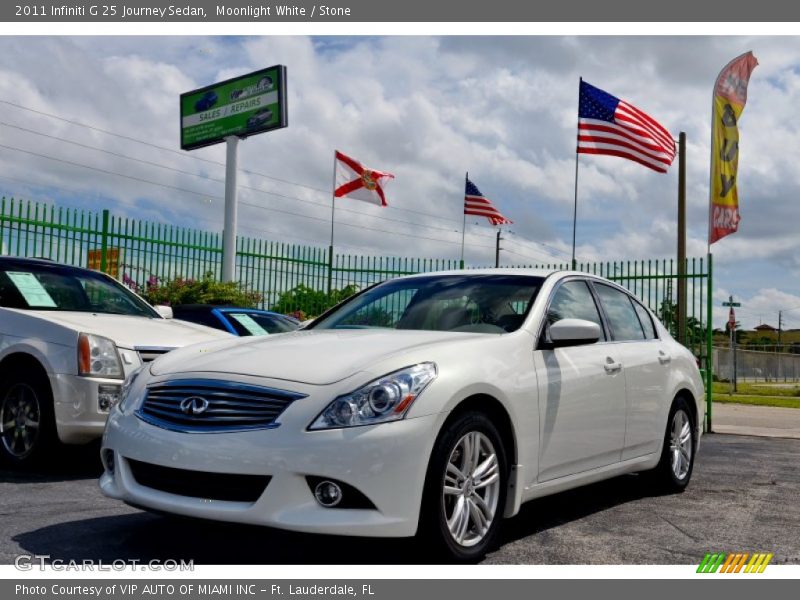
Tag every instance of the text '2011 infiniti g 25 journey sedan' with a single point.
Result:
(433, 404)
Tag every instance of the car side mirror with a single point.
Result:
(164, 311)
(574, 332)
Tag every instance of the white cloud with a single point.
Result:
(428, 109)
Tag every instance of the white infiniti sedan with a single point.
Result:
(434, 404)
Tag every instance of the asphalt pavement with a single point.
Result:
(743, 497)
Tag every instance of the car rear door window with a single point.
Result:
(622, 318)
(646, 320)
(574, 300)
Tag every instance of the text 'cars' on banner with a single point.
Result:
(730, 96)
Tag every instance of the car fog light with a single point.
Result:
(107, 457)
(108, 396)
(328, 494)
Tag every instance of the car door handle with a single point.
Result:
(664, 358)
(612, 367)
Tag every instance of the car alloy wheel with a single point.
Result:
(20, 416)
(471, 489)
(680, 444)
(674, 469)
(465, 488)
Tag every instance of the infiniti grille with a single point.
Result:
(206, 405)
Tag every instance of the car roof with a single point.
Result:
(197, 308)
(557, 274)
(39, 262)
(525, 272)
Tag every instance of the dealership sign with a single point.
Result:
(241, 107)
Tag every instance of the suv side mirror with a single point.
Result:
(574, 332)
(164, 311)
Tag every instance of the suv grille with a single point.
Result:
(148, 354)
(207, 405)
(199, 484)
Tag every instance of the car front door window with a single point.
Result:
(574, 300)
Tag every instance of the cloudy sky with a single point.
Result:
(427, 109)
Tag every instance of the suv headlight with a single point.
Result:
(125, 393)
(98, 356)
(385, 399)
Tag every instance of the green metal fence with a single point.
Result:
(137, 252)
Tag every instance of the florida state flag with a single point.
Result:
(357, 181)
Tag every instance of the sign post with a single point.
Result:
(230, 111)
(231, 209)
(732, 332)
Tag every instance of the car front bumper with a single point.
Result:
(387, 463)
(79, 419)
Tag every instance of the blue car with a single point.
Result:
(235, 320)
(207, 102)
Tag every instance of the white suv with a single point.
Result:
(68, 338)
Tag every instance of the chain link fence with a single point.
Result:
(752, 365)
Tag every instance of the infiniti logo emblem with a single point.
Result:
(194, 405)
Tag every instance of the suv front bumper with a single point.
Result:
(79, 418)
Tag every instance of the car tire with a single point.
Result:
(674, 469)
(27, 423)
(465, 489)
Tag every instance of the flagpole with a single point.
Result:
(333, 208)
(682, 304)
(575, 207)
(710, 289)
(464, 225)
(497, 247)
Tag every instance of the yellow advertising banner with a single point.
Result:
(730, 96)
(94, 260)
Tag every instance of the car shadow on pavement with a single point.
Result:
(144, 536)
(148, 537)
(546, 513)
(68, 463)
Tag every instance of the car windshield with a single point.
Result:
(465, 303)
(259, 323)
(48, 287)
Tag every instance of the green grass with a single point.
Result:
(758, 389)
(780, 401)
(758, 394)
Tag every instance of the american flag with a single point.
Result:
(608, 125)
(477, 204)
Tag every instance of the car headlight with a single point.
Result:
(125, 395)
(385, 399)
(98, 356)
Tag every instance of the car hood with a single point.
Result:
(130, 331)
(316, 357)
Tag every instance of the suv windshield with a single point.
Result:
(45, 287)
(468, 303)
